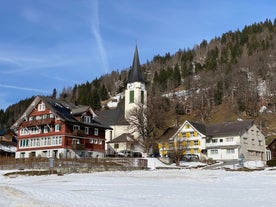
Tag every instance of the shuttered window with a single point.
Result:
(142, 97)
(131, 97)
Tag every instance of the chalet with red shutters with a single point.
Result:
(52, 128)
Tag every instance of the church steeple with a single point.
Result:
(135, 74)
(135, 92)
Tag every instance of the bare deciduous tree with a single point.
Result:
(147, 120)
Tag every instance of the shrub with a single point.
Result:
(271, 163)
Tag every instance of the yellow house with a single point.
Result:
(189, 138)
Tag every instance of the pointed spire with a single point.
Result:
(135, 74)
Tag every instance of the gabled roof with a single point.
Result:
(6, 132)
(273, 141)
(60, 109)
(65, 111)
(123, 138)
(199, 126)
(112, 117)
(135, 74)
(169, 132)
(229, 128)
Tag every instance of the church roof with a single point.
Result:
(112, 117)
(135, 74)
(126, 137)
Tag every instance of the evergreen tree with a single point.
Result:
(176, 76)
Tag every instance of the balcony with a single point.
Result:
(222, 144)
(79, 133)
(38, 122)
(78, 146)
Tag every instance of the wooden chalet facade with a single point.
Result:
(51, 128)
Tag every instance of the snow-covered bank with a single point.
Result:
(142, 188)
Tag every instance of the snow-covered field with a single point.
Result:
(194, 187)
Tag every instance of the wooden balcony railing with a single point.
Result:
(38, 122)
(80, 133)
(78, 146)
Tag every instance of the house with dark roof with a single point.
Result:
(122, 137)
(7, 143)
(52, 128)
(223, 141)
(235, 140)
(272, 147)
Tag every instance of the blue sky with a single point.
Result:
(48, 44)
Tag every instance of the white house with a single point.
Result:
(234, 140)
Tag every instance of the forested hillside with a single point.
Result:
(231, 76)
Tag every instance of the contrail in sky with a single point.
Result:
(96, 31)
(23, 88)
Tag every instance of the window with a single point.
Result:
(86, 130)
(261, 143)
(76, 127)
(57, 127)
(48, 141)
(116, 146)
(142, 97)
(196, 142)
(214, 140)
(91, 141)
(131, 97)
(44, 154)
(86, 119)
(24, 131)
(110, 135)
(214, 152)
(41, 107)
(59, 140)
(46, 129)
(230, 151)
(96, 131)
(252, 131)
(229, 139)
(253, 141)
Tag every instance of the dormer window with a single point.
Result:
(41, 107)
(86, 119)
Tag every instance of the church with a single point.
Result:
(122, 137)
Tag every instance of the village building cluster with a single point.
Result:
(54, 128)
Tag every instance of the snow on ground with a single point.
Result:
(162, 188)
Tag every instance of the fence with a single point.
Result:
(73, 165)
